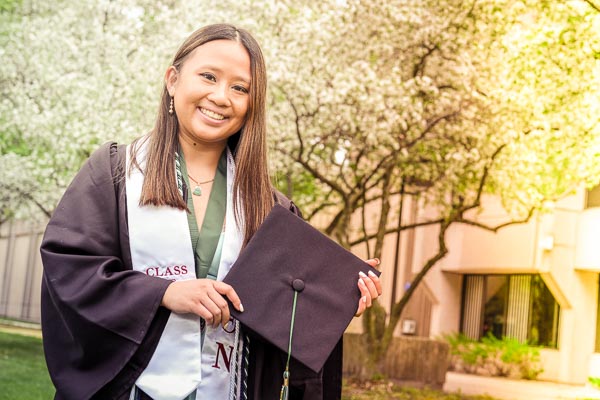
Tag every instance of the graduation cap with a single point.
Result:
(298, 287)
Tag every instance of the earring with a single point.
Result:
(171, 107)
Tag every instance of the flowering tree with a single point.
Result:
(444, 101)
(64, 91)
(75, 75)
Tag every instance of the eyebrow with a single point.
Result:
(220, 70)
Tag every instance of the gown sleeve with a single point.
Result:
(100, 319)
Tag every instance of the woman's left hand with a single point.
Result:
(369, 286)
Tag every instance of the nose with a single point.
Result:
(219, 95)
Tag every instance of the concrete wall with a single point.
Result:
(587, 256)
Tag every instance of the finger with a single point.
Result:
(229, 326)
(364, 291)
(223, 306)
(370, 285)
(203, 312)
(214, 309)
(227, 290)
(377, 282)
(362, 306)
(373, 262)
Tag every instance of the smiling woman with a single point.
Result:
(133, 300)
(210, 97)
(210, 94)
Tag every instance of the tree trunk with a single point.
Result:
(397, 308)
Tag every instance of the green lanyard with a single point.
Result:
(286, 374)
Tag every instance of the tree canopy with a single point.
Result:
(75, 75)
(442, 101)
(358, 89)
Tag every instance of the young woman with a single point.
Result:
(133, 306)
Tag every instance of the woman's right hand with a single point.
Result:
(203, 297)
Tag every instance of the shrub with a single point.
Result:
(493, 357)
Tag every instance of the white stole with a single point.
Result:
(161, 246)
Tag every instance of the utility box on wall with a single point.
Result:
(409, 326)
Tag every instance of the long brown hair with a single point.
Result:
(252, 191)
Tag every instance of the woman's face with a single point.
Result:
(211, 92)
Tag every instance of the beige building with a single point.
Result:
(537, 281)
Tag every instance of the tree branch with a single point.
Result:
(363, 225)
(397, 308)
(383, 164)
(497, 227)
(486, 171)
(433, 122)
(332, 225)
(420, 66)
(29, 196)
(319, 208)
(334, 186)
(384, 212)
(394, 230)
(297, 125)
(594, 6)
(323, 204)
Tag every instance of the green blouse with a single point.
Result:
(207, 242)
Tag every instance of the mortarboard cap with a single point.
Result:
(298, 287)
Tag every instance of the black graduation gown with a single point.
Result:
(101, 321)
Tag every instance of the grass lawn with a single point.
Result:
(23, 376)
(23, 373)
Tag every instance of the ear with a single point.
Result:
(171, 76)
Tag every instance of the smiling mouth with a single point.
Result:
(211, 114)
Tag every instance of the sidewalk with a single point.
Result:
(21, 328)
(510, 389)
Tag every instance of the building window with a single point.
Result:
(495, 306)
(516, 306)
(593, 197)
(543, 324)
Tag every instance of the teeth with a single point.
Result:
(211, 114)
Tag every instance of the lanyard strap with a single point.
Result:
(286, 374)
(178, 174)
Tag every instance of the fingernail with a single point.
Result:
(360, 282)
(371, 273)
(362, 274)
(363, 299)
(378, 261)
(241, 308)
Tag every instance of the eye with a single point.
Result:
(241, 89)
(208, 76)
